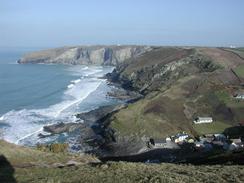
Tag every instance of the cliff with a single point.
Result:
(97, 55)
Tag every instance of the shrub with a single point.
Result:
(55, 148)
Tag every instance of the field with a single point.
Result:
(215, 127)
(236, 106)
(152, 117)
(226, 58)
(238, 51)
(167, 113)
(240, 71)
(23, 165)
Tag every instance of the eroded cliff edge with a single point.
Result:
(95, 55)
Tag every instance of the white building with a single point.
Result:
(181, 137)
(200, 120)
(236, 144)
(239, 96)
(168, 139)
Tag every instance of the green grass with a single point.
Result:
(238, 51)
(152, 118)
(240, 71)
(223, 96)
(236, 106)
(215, 127)
(226, 98)
(28, 165)
(25, 156)
(134, 172)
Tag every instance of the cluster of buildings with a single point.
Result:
(205, 143)
(208, 142)
(172, 142)
(219, 141)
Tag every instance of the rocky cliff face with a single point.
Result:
(98, 55)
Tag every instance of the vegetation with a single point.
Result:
(19, 164)
(133, 172)
(223, 96)
(215, 127)
(206, 65)
(55, 148)
(240, 71)
(238, 51)
(151, 117)
(180, 86)
(235, 132)
(236, 106)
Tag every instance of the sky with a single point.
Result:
(54, 23)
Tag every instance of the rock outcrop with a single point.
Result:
(97, 55)
(62, 127)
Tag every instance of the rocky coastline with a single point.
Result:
(158, 81)
(89, 55)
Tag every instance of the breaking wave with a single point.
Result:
(25, 125)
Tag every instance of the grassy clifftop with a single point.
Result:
(19, 164)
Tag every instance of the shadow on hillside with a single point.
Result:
(6, 171)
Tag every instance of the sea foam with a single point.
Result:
(25, 125)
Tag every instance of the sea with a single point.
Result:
(35, 95)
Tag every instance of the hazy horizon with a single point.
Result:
(47, 24)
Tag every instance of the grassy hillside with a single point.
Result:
(238, 51)
(173, 110)
(181, 85)
(27, 165)
(240, 71)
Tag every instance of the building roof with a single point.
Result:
(204, 118)
(158, 141)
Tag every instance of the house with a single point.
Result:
(220, 137)
(168, 139)
(203, 146)
(236, 144)
(190, 140)
(239, 96)
(181, 137)
(157, 143)
(200, 120)
(199, 145)
(217, 142)
(207, 138)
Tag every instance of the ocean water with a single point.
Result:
(34, 95)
